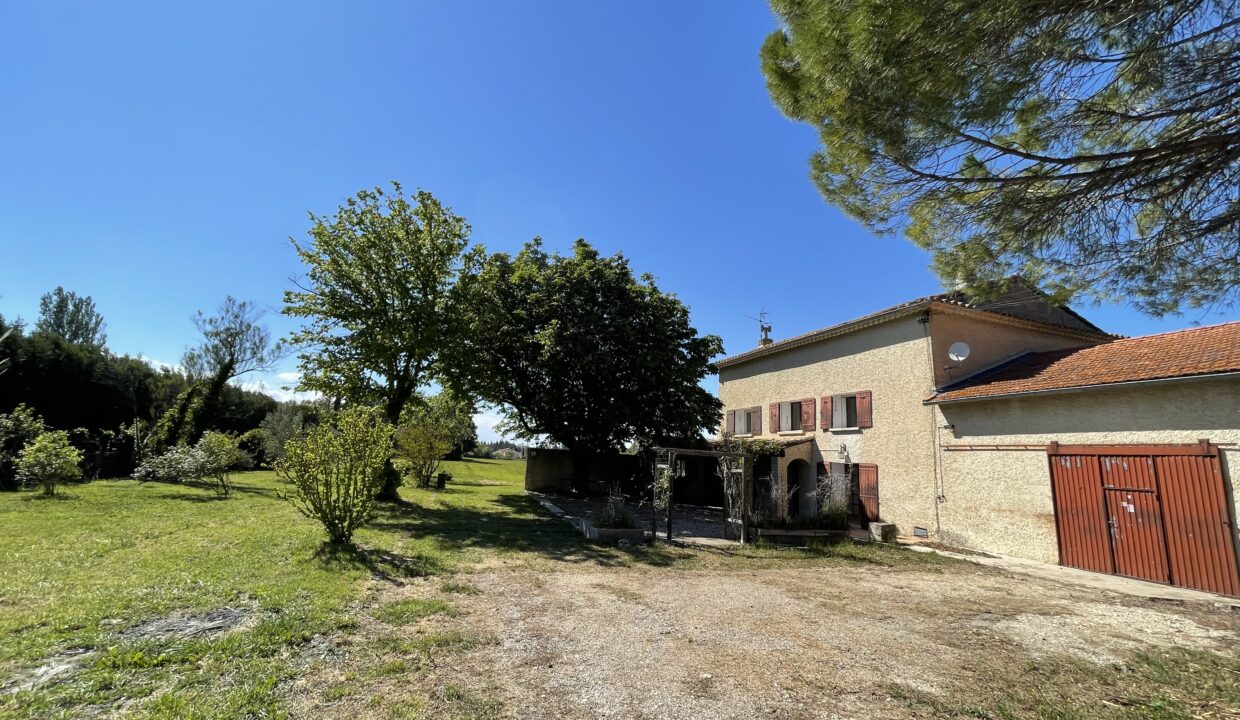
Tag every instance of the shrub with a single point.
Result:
(281, 425)
(219, 452)
(615, 514)
(336, 470)
(176, 464)
(833, 516)
(49, 461)
(422, 447)
(17, 429)
(253, 445)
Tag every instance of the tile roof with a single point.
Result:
(1183, 353)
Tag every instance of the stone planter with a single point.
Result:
(612, 536)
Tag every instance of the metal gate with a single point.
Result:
(1152, 512)
(867, 492)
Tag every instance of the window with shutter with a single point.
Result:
(848, 412)
(791, 415)
(865, 409)
(807, 414)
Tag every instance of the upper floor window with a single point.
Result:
(848, 411)
(790, 416)
(745, 422)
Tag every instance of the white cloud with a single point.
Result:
(278, 392)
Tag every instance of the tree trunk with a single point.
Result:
(391, 476)
(582, 459)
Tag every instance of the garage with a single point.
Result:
(1151, 512)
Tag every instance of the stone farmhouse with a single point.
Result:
(1014, 427)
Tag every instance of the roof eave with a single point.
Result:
(932, 400)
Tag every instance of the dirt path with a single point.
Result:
(845, 642)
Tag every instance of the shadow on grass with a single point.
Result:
(382, 564)
(519, 525)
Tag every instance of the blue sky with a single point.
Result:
(158, 156)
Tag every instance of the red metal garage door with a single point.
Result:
(1154, 512)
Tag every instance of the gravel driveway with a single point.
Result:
(848, 641)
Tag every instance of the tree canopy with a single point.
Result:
(375, 299)
(1093, 147)
(578, 350)
(71, 317)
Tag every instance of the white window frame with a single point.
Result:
(790, 416)
(839, 412)
(742, 416)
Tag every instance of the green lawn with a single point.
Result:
(78, 570)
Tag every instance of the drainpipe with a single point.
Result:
(934, 428)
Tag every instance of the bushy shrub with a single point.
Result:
(482, 452)
(253, 445)
(176, 464)
(210, 460)
(615, 513)
(833, 516)
(281, 425)
(49, 461)
(336, 470)
(220, 453)
(17, 429)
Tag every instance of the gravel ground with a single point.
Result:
(826, 642)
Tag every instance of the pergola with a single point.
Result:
(673, 454)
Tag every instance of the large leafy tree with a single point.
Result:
(1093, 146)
(577, 350)
(375, 299)
(71, 317)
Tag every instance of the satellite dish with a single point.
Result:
(959, 351)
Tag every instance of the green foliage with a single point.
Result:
(253, 445)
(578, 350)
(429, 430)
(376, 298)
(17, 429)
(220, 453)
(833, 516)
(282, 424)
(1088, 147)
(234, 342)
(336, 470)
(71, 317)
(615, 512)
(49, 460)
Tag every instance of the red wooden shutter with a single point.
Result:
(730, 424)
(826, 412)
(774, 417)
(865, 409)
(755, 420)
(807, 414)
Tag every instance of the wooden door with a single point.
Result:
(867, 492)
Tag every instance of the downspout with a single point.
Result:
(936, 457)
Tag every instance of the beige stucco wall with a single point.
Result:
(992, 340)
(892, 361)
(1000, 500)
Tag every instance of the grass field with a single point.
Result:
(79, 574)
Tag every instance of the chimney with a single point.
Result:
(766, 335)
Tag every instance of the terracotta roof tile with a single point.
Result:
(1183, 353)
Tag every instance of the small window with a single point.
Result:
(790, 416)
(844, 411)
(743, 426)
